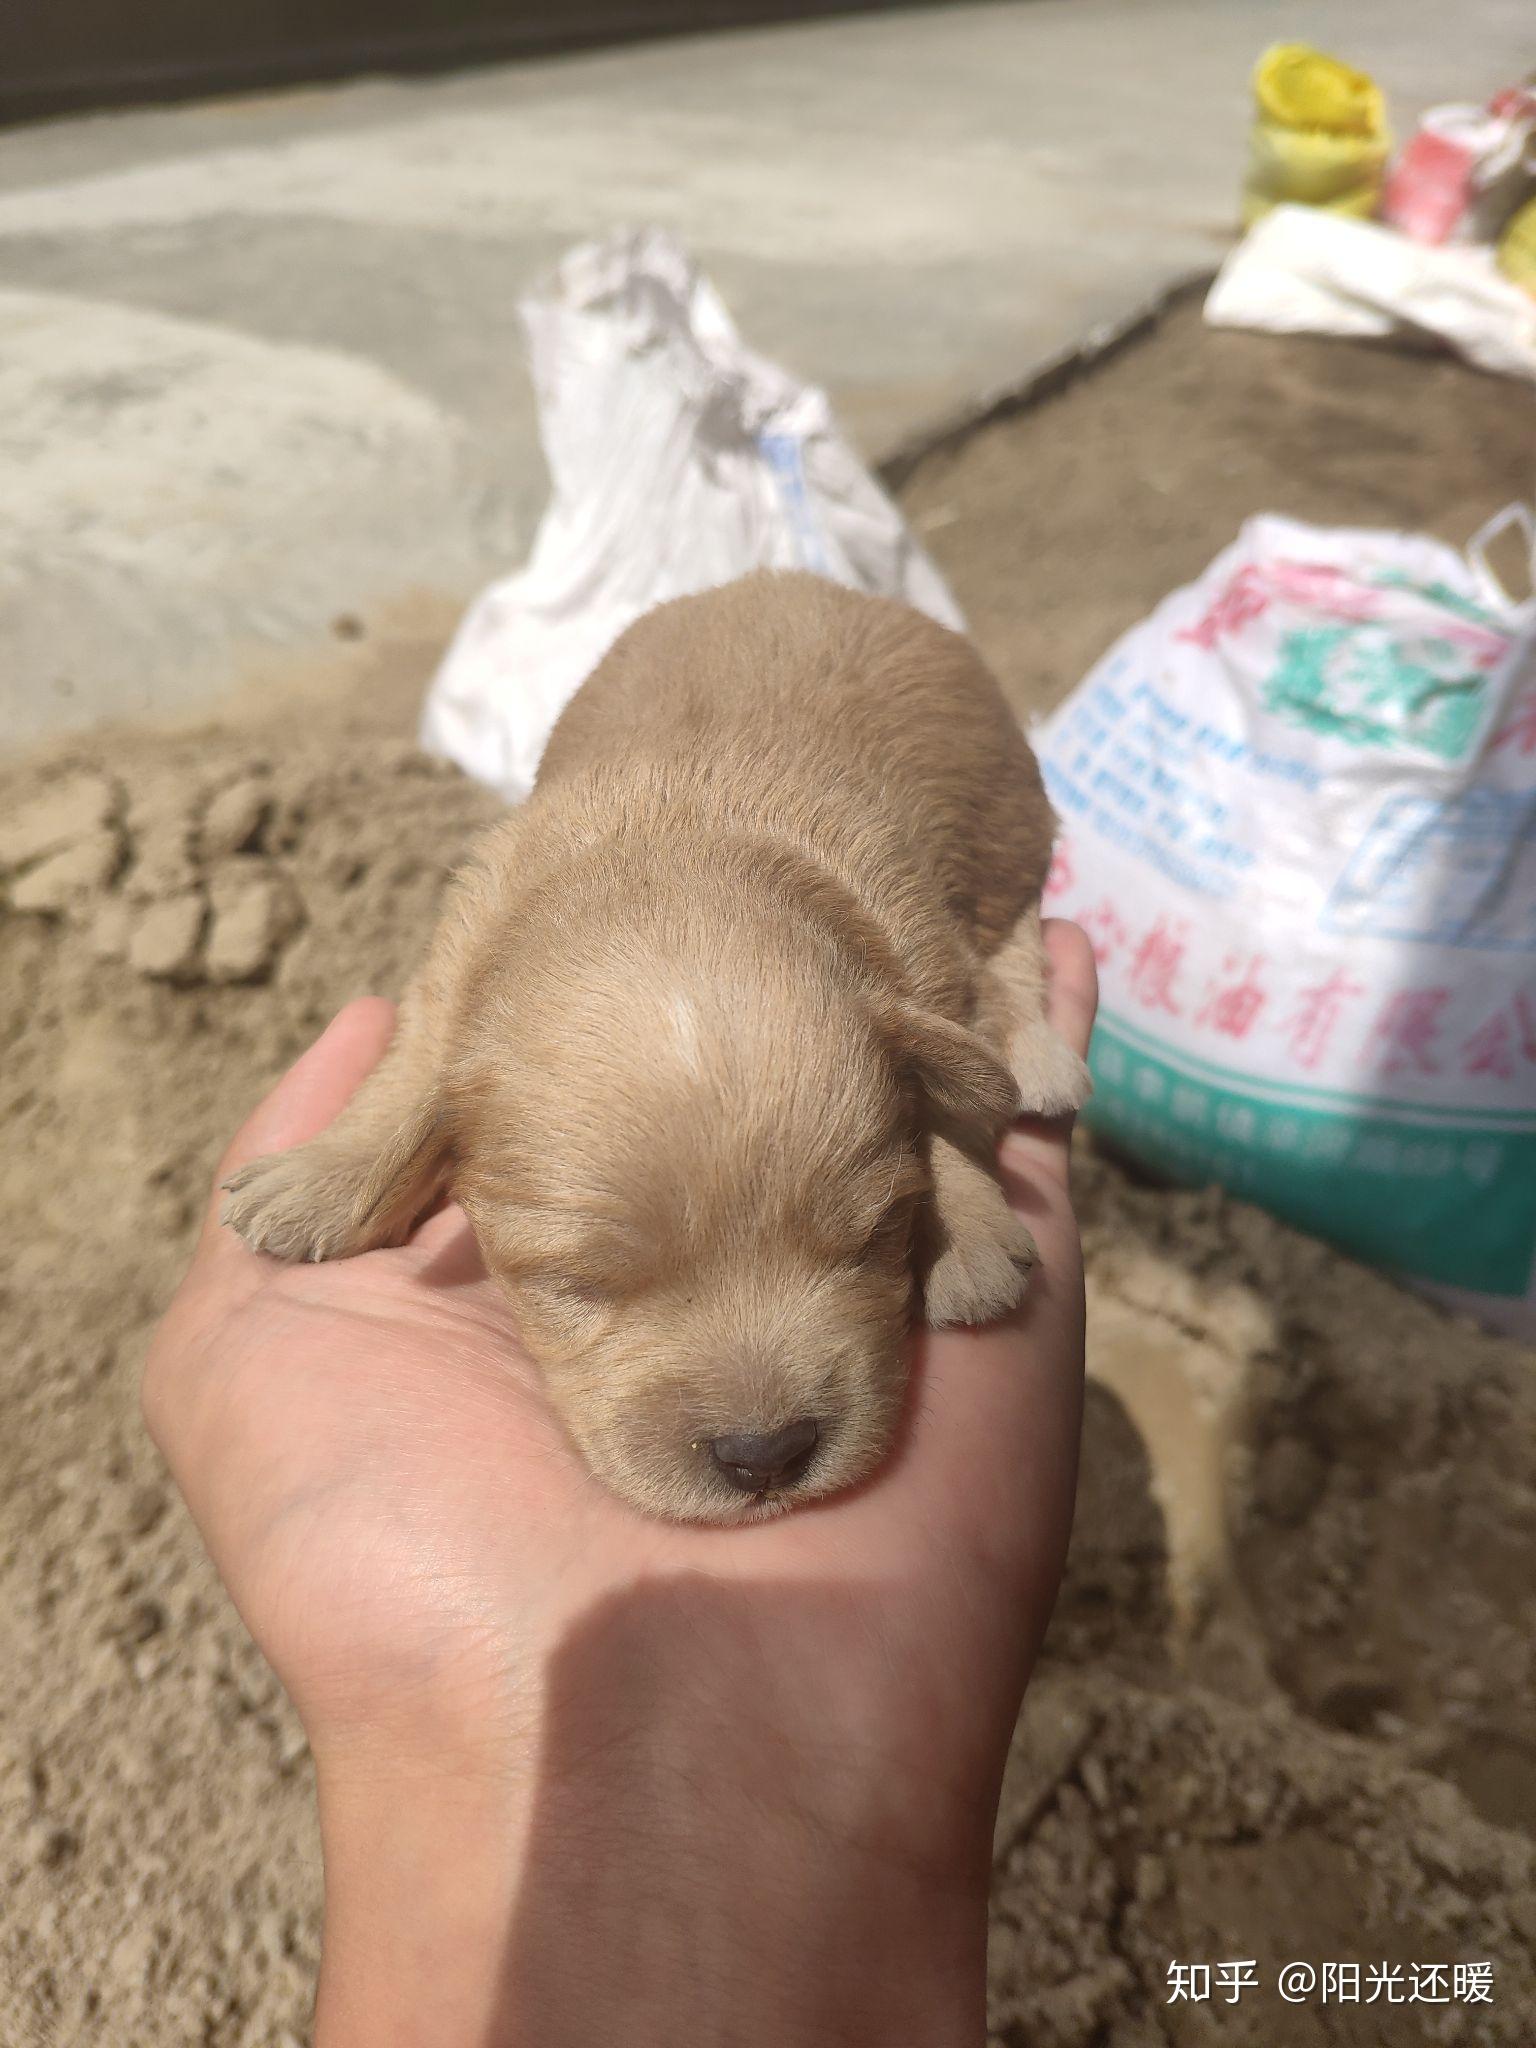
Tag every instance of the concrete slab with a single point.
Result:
(159, 481)
(297, 361)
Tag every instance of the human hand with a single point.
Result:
(584, 1774)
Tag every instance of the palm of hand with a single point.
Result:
(411, 1540)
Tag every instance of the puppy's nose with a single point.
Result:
(752, 1463)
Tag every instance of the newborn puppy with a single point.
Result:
(716, 1039)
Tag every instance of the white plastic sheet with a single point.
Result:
(678, 460)
(1304, 271)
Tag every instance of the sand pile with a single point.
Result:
(1285, 1711)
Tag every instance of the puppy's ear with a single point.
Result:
(963, 1081)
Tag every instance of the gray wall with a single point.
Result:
(61, 54)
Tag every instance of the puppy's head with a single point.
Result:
(700, 1195)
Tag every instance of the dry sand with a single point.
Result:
(1285, 1711)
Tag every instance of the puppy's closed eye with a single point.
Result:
(876, 1219)
(571, 1288)
(561, 1252)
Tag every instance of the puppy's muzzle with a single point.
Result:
(769, 1461)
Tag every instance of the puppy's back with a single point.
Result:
(850, 722)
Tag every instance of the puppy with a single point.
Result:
(716, 1039)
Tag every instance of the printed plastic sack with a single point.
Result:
(1465, 170)
(1304, 272)
(1299, 825)
(678, 460)
(1319, 135)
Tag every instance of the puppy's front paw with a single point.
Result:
(1050, 1076)
(304, 1204)
(981, 1272)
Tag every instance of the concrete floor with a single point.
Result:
(261, 365)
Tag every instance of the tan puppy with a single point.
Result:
(716, 1039)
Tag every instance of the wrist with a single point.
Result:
(669, 1883)
(421, 1880)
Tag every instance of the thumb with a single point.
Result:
(313, 1092)
(1041, 1146)
(305, 1100)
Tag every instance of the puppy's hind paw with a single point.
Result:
(304, 1204)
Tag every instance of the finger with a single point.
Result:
(1033, 1162)
(446, 1225)
(315, 1089)
(996, 1433)
(1003, 1404)
(1072, 999)
(1043, 1144)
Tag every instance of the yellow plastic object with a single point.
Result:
(1319, 137)
(1517, 247)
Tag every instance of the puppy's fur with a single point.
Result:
(717, 1035)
